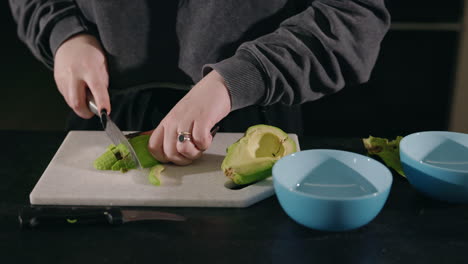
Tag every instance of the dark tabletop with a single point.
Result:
(411, 228)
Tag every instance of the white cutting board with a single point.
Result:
(70, 179)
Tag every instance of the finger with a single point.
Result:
(61, 87)
(170, 149)
(76, 98)
(98, 83)
(155, 144)
(201, 135)
(187, 148)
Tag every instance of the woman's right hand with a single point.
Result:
(80, 64)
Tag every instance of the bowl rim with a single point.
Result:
(331, 198)
(408, 137)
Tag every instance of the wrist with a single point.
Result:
(80, 47)
(79, 39)
(64, 29)
(220, 83)
(244, 78)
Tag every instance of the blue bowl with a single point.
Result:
(436, 164)
(331, 190)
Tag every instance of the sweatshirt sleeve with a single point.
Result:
(44, 24)
(330, 44)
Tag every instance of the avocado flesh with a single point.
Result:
(252, 157)
(115, 158)
(155, 174)
(140, 145)
(118, 158)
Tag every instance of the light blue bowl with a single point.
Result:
(436, 164)
(331, 190)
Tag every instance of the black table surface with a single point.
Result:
(411, 228)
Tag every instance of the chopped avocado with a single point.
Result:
(388, 151)
(155, 173)
(115, 158)
(252, 157)
(123, 165)
(118, 158)
(107, 159)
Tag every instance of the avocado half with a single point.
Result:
(252, 157)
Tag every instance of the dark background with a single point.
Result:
(409, 90)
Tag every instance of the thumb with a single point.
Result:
(202, 136)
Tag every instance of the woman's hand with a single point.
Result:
(80, 64)
(205, 105)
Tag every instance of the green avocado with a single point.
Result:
(118, 158)
(387, 150)
(115, 158)
(140, 145)
(155, 174)
(252, 157)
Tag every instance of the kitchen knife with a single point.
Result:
(32, 217)
(111, 129)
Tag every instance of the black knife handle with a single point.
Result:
(32, 217)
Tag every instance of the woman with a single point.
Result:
(184, 66)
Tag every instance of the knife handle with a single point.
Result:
(92, 103)
(93, 108)
(32, 217)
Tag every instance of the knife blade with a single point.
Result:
(117, 137)
(112, 130)
(33, 217)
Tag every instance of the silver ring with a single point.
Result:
(184, 136)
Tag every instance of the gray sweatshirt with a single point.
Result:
(268, 51)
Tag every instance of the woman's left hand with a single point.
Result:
(197, 112)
